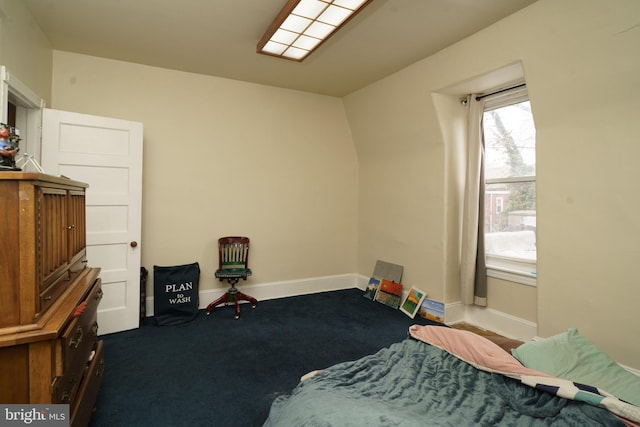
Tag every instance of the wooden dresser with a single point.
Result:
(49, 347)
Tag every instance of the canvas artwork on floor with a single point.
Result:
(412, 302)
(432, 310)
(389, 293)
(372, 288)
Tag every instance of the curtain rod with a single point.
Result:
(478, 98)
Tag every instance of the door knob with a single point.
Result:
(134, 244)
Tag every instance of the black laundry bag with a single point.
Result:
(175, 297)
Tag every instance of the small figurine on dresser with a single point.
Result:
(9, 139)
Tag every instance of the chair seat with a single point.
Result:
(233, 272)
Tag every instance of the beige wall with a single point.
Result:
(401, 198)
(512, 298)
(589, 131)
(223, 157)
(24, 49)
(581, 63)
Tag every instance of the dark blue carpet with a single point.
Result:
(219, 371)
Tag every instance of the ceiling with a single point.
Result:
(219, 37)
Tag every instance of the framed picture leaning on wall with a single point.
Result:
(412, 302)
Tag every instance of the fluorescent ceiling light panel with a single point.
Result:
(309, 8)
(350, 4)
(307, 43)
(303, 25)
(295, 53)
(284, 37)
(295, 23)
(274, 48)
(334, 15)
(319, 30)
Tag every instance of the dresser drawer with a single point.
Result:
(51, 294)
(84, 403)
(75, 345)
(81, 334)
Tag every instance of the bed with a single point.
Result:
(441, 376)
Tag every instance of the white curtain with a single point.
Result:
(473, 269)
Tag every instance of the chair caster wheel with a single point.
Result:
(208, 313)
(253, 306)
(237, 316)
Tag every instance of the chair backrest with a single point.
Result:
(233, 252)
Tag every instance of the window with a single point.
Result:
(510, 186)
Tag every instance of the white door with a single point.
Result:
(107, 154)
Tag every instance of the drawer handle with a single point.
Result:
(75, 342)
(66, 395)
(100, 369)
(71, 227)
(99, 295)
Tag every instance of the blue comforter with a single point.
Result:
(415, 384)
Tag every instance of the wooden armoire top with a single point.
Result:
(42, 177)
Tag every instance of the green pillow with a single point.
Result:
(571, 356)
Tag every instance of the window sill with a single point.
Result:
(515, 276)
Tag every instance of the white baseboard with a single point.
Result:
(454, 313)
(502, 323)
(490, 319)
(362, 281)
(267, 291)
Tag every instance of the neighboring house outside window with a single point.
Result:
(510, 187)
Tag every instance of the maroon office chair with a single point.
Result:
(233, 257)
